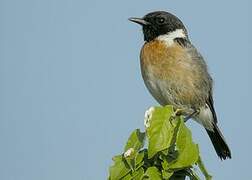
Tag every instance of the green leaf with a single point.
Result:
(171, 152)
(128, 177)
(135, 141)
(139, 158)
(133, 145)
(152, 173)
(187, 149)
(165, 164)
(137, 161)
(166, 174)
(138, 174)
(119, 169)
(203, 169)
(160, 131)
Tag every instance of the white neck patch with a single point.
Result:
(169, 37)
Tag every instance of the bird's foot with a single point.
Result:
(196, 112)
(178, 112)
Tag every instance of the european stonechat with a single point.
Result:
(176, 74)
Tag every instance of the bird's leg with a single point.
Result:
(174, 114)
(179, 112)
(196, 112)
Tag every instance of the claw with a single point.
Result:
(178, 112)
(196, 112)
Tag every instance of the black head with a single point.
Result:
(158, 23)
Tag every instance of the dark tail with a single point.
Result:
(219, 143)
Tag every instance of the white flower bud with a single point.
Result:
(147, 116)
(129, 152)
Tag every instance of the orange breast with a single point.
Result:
(170, 69)
(165, 61)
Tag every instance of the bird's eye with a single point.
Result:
(160, 20)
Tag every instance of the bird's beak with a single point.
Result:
(139, 21)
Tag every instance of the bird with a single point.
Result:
(175, 73)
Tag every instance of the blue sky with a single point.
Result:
(71, 89)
